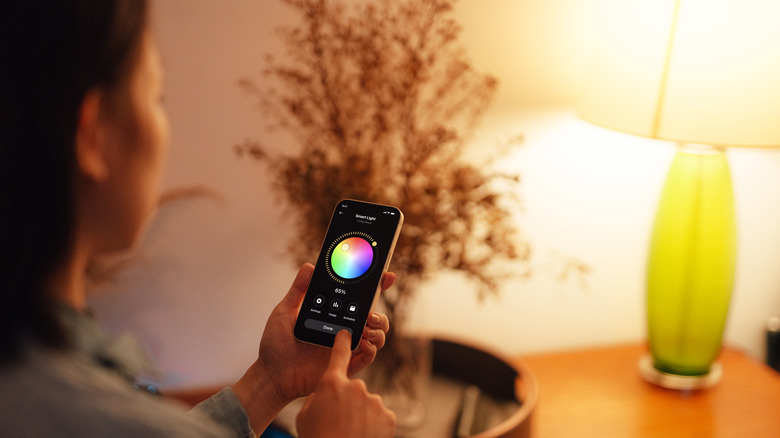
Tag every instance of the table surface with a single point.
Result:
(599, 393)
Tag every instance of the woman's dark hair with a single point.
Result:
(52, 53)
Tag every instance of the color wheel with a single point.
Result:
(351, 257)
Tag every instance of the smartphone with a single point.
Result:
(347, 276)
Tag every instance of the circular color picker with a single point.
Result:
(351, 257)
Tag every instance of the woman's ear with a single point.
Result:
(91, 147)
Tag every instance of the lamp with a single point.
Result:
(704, 74)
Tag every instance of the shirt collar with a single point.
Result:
(122, 354)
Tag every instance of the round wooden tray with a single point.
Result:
(477, 393)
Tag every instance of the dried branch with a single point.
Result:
(381, 99)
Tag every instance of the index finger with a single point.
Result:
(341, 353)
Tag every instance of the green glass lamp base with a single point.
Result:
(691, 269)
(675, 381)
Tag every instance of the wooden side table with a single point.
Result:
(599, 393)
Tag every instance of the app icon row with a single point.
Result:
(335, 304)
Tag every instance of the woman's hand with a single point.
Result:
(340, 407)
(296, 367)
(287, 369)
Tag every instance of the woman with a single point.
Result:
(83, 141)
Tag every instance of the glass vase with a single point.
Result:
(690, 269)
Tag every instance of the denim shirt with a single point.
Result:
(87, 390)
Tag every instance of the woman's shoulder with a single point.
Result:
(59, 393)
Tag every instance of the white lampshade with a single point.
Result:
(692, 71)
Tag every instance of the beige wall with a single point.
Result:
(209, 271)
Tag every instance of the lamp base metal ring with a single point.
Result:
(675, 381)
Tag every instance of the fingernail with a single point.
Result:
(375, 319)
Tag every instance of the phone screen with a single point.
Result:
(355, 254)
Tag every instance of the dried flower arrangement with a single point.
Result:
(381, 99)
(381, 102)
